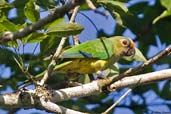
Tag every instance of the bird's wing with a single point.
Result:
(100, 49)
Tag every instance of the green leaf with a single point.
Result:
(11, 44)
(114, 4)
(6, 25)
(2, 2)
(118, 18)
(49, 45)
(10, 26)
(116, 8)
(84, 7)
(2, 16)
(47, 4)
(54, 23)
(166, 13)
(166, 4)
(65, 29)
(34, 37)
(5, 5)
(138, 56)
(31, 11)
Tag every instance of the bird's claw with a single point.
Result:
(100, 75)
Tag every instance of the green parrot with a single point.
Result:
(94, 56)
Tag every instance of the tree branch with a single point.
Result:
(78, 91)
(28, 98)
(95, 87)
(141, 79)
(50, 106)
(59, 12)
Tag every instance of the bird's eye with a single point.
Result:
(125, 42)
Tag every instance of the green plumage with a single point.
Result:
(100, 48)
(96, 55)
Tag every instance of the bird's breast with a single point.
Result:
(86, 66)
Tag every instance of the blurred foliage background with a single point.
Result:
(147, 22)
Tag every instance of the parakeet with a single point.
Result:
(95, 55)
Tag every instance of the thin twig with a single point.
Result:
(117, 102)
(93, 7)
(72, 19)
(73, 16)
(29, 76)
(75, 11)
(75, 39)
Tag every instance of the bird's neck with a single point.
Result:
(112, 60)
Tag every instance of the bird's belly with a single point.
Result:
(84, 66)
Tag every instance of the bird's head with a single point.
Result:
(123, 47)
(128, 47)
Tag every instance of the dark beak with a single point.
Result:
(130, 51)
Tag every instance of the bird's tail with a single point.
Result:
(39, 76)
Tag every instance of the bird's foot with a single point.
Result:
(99, 75)
(73, 84)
